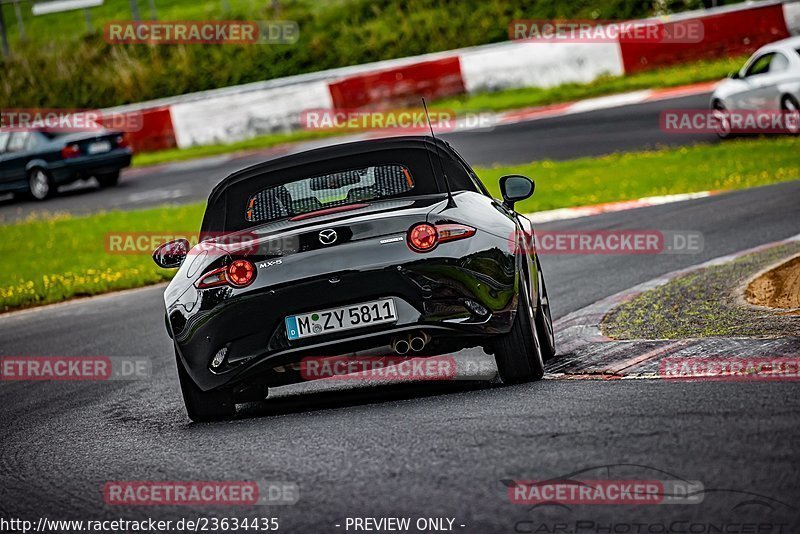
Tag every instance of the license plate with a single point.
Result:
(98, 147)
(339, 319)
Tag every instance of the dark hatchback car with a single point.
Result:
(35, 163)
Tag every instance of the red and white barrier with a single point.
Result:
(230, 117)
(728, 33)
(400, 85)
(157, 133)
(235, 113)
(791, 15)
(531, 64)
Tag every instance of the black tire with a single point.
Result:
(723, 116)
(544, 321)
(40, 184)
(108, 180)
(518, 355)
(789, 105)
(203, 405)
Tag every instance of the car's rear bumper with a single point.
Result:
(273, 369)
(431, 295)
(69, 170)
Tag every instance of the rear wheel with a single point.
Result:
(108, 180)
(40, 184)
(203, 405)
(544, 322)
(791, 110)
(518, 354)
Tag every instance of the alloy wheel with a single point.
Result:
(39, 184)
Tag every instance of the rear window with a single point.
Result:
(53, 135)
(329, 190)
(18, 141)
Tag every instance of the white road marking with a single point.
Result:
(157, 194)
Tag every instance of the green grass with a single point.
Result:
(730, 165)
(263, 141)
(703, 304)
(699, 71)
(64, 257)
(54, 259)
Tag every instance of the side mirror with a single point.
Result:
(734, 75)
(514, 188)
(170, 255)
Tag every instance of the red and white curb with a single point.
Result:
(489, 120)
(604, 102)
(584, 352)
(611, 207)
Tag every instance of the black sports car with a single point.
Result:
(391, 245)
(37, 162)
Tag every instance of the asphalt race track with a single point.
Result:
(626, 128)
(417, 451)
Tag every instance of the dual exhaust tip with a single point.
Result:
(412, 343)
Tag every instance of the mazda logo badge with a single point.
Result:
(328, 237)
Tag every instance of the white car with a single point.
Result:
(769, 81)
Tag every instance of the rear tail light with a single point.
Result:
(422, 237)
(425, 237)
(122, 142)
(217, 277)
(70, 151)
(240, 273)
(453, 232)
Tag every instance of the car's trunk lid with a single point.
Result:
(328, 227)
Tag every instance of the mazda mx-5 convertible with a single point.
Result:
(390, 246)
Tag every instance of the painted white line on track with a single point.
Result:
(612, 101)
